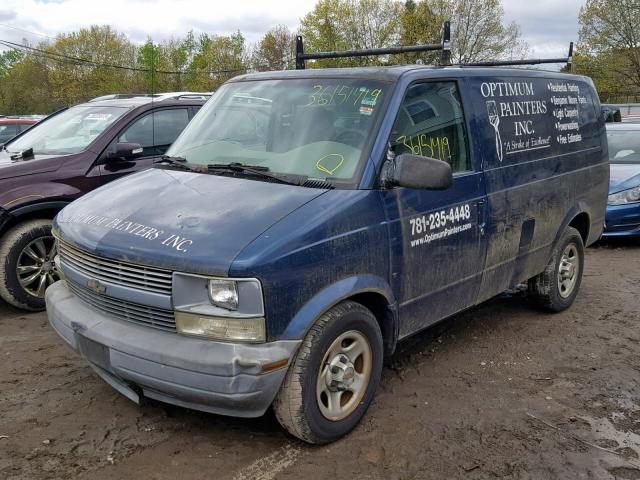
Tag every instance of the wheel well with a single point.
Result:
(47, 213)
(581, 223)
(379, 306)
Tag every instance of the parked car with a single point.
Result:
(629, 112)
(63, 157)
(306, 221)
(14, 125)
(611, 113)
(623, 209)
(155, 96)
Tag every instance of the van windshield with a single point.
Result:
(68, 132)
(319, 128)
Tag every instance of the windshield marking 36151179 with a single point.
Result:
(303, 127)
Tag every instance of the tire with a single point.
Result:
(13, 245)
(546, 289)
(299, 406)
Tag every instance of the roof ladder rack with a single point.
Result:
(532, 61)
(444, 47)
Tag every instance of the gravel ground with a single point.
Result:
(500, 391)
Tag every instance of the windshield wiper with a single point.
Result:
(181, 163)
(256, 171)
(170, 159)
(178, 162)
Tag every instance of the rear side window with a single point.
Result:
(430, 123)
(156, 131)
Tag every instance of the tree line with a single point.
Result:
(609, 48)
(98, 60)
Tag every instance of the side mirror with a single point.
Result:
(611, 114)
(126, 151)
(414, 171)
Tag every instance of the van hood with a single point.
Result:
(40, 163)
(624, 176)
(175, 220)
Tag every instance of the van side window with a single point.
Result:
(430, 123)
(156, 131)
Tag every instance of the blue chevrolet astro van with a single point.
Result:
(307, 221)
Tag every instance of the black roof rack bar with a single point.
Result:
(444, 46)
(532, 61)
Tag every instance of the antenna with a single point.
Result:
(153, 114)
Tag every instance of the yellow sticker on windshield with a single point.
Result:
(330, 163)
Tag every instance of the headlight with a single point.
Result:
(222, 328)
(631, 195)
(227, 309)
(223, 293)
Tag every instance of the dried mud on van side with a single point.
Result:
(500, 391)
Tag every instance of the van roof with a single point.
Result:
(393, 73)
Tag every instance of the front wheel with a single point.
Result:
(26, 264)
(556, 288)
(334, 376)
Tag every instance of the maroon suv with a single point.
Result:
(63, 157)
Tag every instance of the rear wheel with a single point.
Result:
(333, 378)
(556, 288)
(26, 264)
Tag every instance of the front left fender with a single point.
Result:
(334, 294)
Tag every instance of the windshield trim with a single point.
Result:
(353, 182)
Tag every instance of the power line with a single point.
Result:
(26, 31)
(39, 55)
(61, 57)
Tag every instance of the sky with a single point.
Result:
(547, 25)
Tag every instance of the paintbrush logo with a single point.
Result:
(494, 120)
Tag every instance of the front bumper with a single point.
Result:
(622, 220)
(216, 377)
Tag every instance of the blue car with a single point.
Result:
(623, 206)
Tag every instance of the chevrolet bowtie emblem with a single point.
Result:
(96, 286)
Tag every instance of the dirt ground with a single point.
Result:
(501, 391)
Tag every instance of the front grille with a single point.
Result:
(131, 312)
(119, 273)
